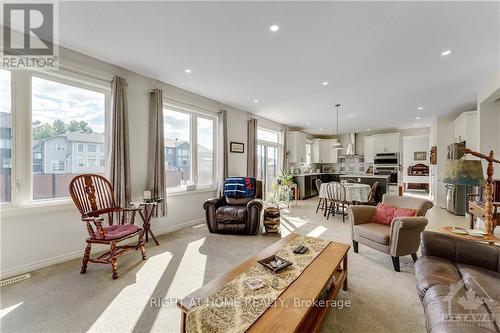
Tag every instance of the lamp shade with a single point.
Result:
(463, 172)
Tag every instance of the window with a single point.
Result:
(178, 138)
(67, 113)
(268, 135)
(189, 147)
(91, 148)
(57, 166)
(5, 136)
(58, 147)
(91, 162)
(268, 157)
(205, 137)
(64, 112)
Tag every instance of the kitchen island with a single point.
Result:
(306, 182)
(369, 179)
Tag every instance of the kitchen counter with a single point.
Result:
(364, 175)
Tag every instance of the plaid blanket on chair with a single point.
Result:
(239, 187)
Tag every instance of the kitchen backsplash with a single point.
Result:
(349, 165)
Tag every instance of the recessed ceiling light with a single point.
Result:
(350, 115)
(368, 130)
(325, 83)
(445, 53)
(415, 125)
(256, 101)
(308, 123)
(320, 129)
(187, 70)
(274, 28)
(418, 118)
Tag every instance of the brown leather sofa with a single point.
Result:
(239, 216)
(401, 238)
(458, 282)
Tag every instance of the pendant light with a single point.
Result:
(337, 145)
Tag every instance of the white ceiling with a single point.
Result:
(382, 59)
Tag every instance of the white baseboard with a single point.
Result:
(79, 253)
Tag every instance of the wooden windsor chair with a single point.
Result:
(94, 198)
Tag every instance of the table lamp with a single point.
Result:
(470, 173)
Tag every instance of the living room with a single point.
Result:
(155, 113)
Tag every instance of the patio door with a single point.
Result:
(268, 167)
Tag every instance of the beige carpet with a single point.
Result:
(59, 299)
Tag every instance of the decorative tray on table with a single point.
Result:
(274, 263)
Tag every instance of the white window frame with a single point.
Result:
(194, 113)
(22, 152)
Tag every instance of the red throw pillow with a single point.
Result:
(383, 214)
(404, 212)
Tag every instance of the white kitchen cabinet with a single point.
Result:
(386, 143)
(465, 129)
(369, 149)
(296, 142)
(324, 151)
(315, 151)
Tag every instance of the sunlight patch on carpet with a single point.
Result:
(189, 276)
(318, 231)
(124, 311)
(9, 309)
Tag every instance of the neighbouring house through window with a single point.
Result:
(189, 148)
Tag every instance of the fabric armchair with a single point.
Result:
(400, 238)
(240, 216)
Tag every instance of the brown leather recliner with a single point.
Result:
(240, 216)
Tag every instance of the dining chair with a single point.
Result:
(93, 196)
(322, 201)
(372, 201)
(337, 197)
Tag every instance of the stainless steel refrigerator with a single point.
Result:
(456, 195)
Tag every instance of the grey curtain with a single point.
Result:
(252, 148)
(222, 169)
(284, 158)
(156, 180)
(118, 166)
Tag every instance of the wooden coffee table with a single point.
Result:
(308, 286)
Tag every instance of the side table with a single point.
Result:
(272, 219)
(146, 213)
(490, 239)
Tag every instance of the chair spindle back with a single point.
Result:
(92, 193)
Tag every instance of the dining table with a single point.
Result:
(354, 192)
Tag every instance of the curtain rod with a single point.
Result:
(106, 77)
(175, 100)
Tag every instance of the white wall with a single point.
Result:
(442, 133)
(489, 127)
(34, 237)
(412, 144)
